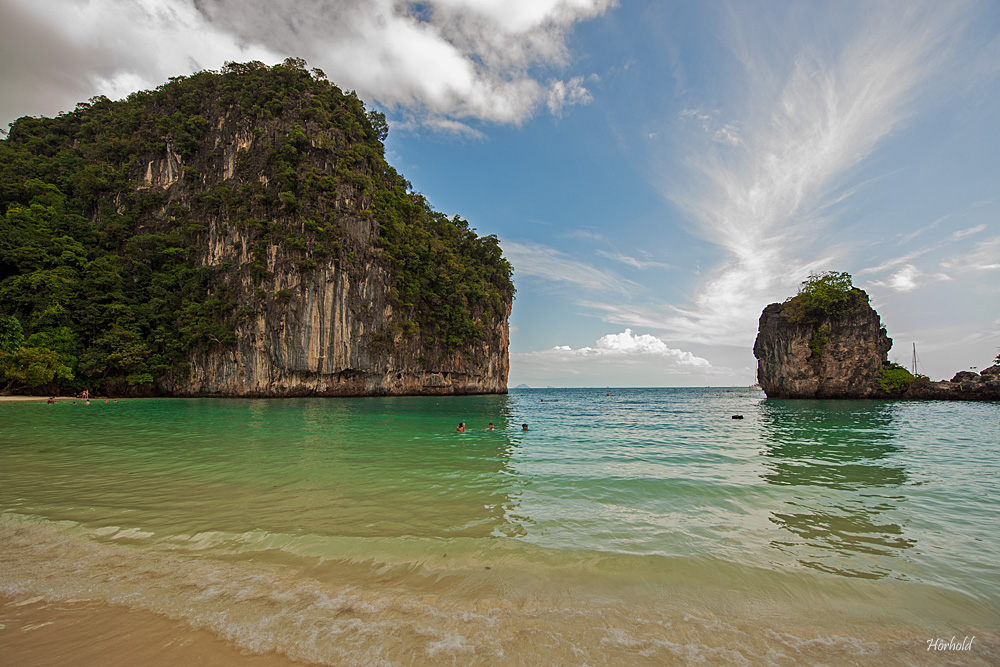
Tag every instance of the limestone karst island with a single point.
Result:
(237, 233)
(828, 342)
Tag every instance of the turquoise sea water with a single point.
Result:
(625, 526)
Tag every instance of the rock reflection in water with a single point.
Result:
(842, 460)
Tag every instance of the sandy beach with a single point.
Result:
(11, 399)
(34, 631)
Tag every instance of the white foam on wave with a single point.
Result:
(362, 615)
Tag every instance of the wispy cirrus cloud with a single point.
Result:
(635, 262)
(968, 231)
(809, 115)
(906, 276)
(985, 256)
(542, 261)
(435, 61)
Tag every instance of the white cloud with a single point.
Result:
(541, 261)
(894, 262)
(728, 134)
(567, 93)
(633, 261)
(912, 235)
(909, 278)
(443, 59)
(984, 257)
(629, 343)
(625, 359)
(810, 114)
(963, 233)
(588, 235)
(61, 52)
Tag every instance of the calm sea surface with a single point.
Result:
(642, 527)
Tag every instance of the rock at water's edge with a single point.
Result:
(829, 357)
(844, 357)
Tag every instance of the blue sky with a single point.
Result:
(657, 172)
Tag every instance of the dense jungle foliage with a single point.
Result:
(102, 278)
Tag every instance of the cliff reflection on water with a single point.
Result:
(843, 461)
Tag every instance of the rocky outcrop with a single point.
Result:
(828, 357)
(846, 356)
(964, 386)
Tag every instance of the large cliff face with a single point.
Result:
(827, 357)
(244, 236)
(320, 340)
(315, 323)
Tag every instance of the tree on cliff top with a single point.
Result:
(827, 294)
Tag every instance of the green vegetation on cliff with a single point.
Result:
(895, 377)
(822, 295)
(105, 211)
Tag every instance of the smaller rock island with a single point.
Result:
(828, 342)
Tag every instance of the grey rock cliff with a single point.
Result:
(320, 343)
(833, 357)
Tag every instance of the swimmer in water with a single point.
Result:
(461, 427)
(524, 427)
(490, 427)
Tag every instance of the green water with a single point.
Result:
(645, 525)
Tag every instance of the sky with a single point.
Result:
(657, 172)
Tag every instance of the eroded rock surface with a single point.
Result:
(830, 357)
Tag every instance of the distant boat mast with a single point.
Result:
(914, 359)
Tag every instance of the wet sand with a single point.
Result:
(86, 633)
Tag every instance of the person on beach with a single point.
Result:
(461, 427)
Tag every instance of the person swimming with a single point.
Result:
(524, 427)
(461, 427)
(490, 427)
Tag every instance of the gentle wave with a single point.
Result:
(362, 601)
(641, 526)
